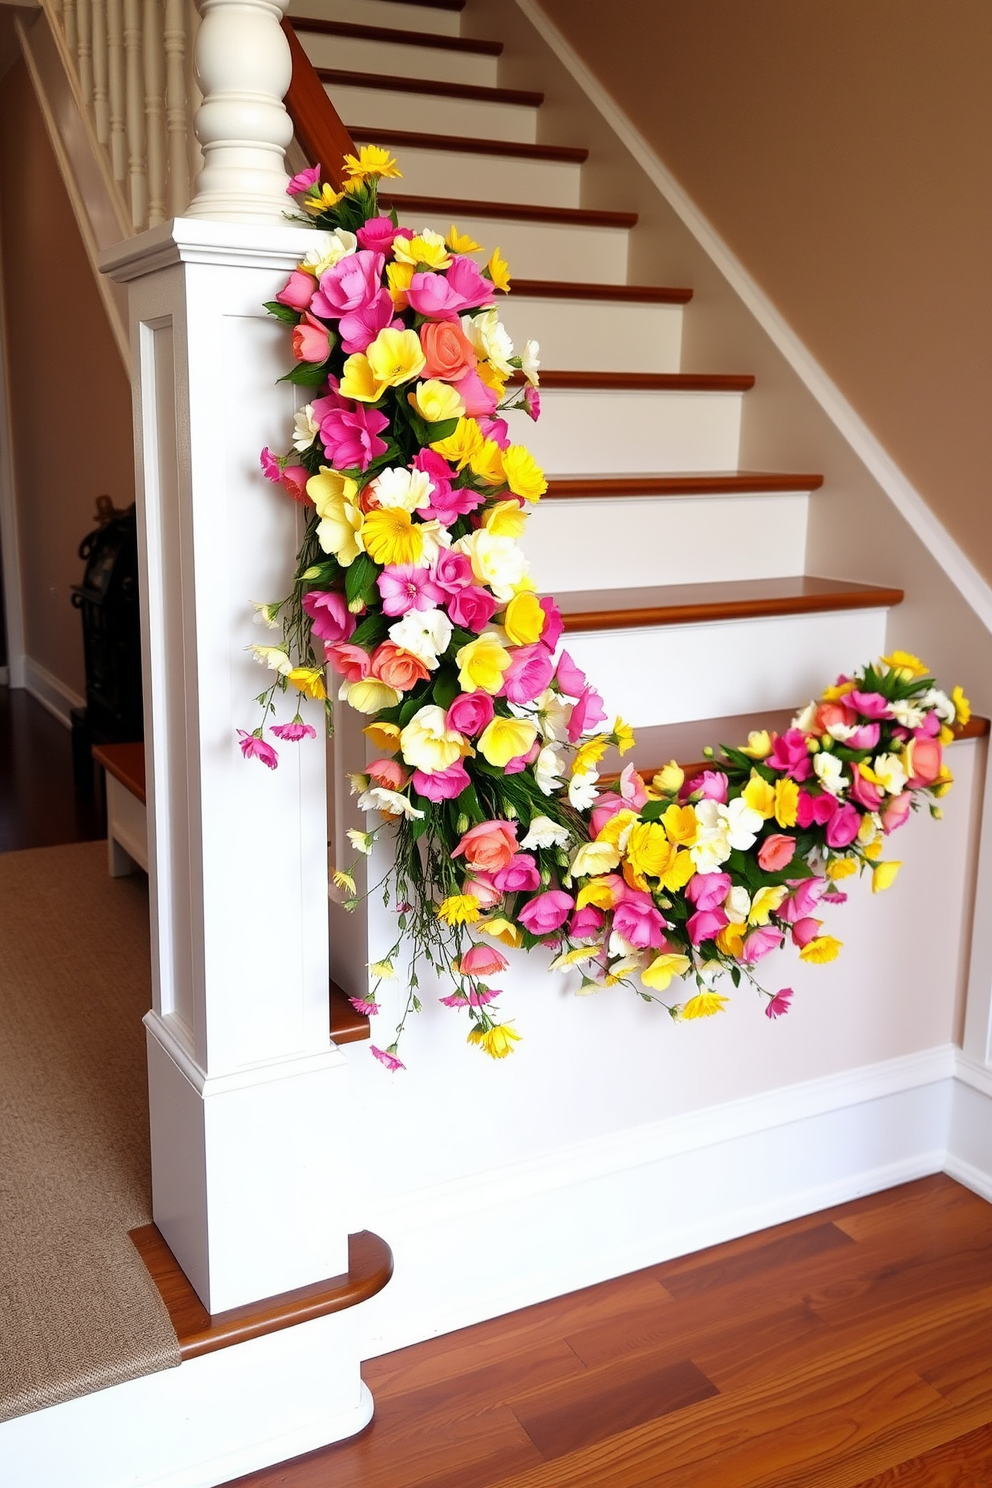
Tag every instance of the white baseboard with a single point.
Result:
(51, 692)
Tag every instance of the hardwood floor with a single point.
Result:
(849, 1349)
(38, 803)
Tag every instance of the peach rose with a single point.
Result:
(398, 668)
(448, 351)
(489, 846)
(388, 773)
(828, 715)
(922, 761)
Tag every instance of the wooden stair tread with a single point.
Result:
(433, 4)
(361, 32)
(417, 139)
(662, 382)
(370, 1265)
(392, 84)
(348, 1026)
(556, 289)
(681, 604)
(688, 483)
(126, 763)
(521, 211)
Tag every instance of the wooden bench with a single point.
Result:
(127, 827)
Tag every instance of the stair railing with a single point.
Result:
(319, 131)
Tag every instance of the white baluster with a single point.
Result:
(84, 49)
(194, 155)
(101, 100)
(175, 105)
(69, 25)
(134, 114)
(154, 74)
(244, 68)
(115, 82)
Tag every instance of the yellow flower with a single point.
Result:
(820, 949)
(592, 858)
(946, 735)
(482, 663)
(596, 892)
(395, 357)
(883, 875)
(390, 535)
(492, 377)
(874, 849)
(649, 851)
(503, 739)
(498, 928)
(589, 754)
(383, 971)
(508, 519)
(837, 691)
(786, 802)
(523, 474)
(962, 707)
(459, 909)
(461, 445)
(703, 1005)
(384, 736)
(670, 781)
(372, 160)
(764, 904)
(906, 664)
(427, 248)
(760, 796)
(428, 744)
(663, 968)
(342, 880)
(358, 381)
(330, 490)
(398, 279)
(436, 401)
(497, 1041)
(487, 462)
(841, 868)
(575, 957)
(759, 744)
(623, 736)
(678, 873)
(326, 198)
(680, 824)
(499, 272)
(730, 940)
(461, 242)
(309, 680)
(369, 696)
(943, 782)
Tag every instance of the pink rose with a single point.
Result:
(870, 704)
(472, 608)
(298, 291)
(452, 571)
(766, 938)
(489, 846)
(329, 615)
(311, 341)
(864, 792)
(398, 668)
(833, 715)
(482, 886)
(711, 785)
(818, 809)
(865, 736)
(530, 670)
(805, 896)
(442, 785)
(520, 873)
(353, 662)
(923, 759)
(842, 828)
(586, 923)
(776, 852)
(378, 234)
(705, 923)
(479, 400)
(896, 812)
(351, 284)
(637, 920)
(789, 753)
(708, 890)
(470, 713)
(546, 912)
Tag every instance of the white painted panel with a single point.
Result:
(673, 673)
(473, 118)
(602, 432)
(600, 335)
(392, 59)
(380, 13)
(508, 178)
(652, 539)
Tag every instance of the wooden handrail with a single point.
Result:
(320, 133)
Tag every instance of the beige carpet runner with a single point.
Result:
(78, 1311)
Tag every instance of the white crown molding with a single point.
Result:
(249, 245)
(905, 497)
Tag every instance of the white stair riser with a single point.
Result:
(674, 673)
(540, 250)
(645, 541)
(508, 178)
(602, 432)
(381, 13)
(605, 335)
(393, 59)
(433, 114)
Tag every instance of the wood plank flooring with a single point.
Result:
(848, 1349)
(38, 803)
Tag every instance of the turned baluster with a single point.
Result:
(84, 49)
(101, 98)
(115, 89)
(154, 78)
(175, 105)
(134, 115)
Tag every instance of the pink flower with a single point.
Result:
(449, 502)
(442, 296)
(530, 670)
(352, 283)
(520, 873)
(352, 662)
(607, 805)
(496, 429)
(359, 328)
(311, 340)
(398, 668)
(896, 812)
(805, 930)
(632, 788)
(378, 233)
(789, 753)
(776, 852)
(349, 432)
(387, 1058)
(303, 180)
(363, 1006)
(470, 713)
(571, 679)
(294, 731)
(330, 617)
(448, 353)
(472, 608)
(842, 828)
(442, 785)
(637, 920)
(546, 912)
(705, 923)
(553, 624)
(519, 762)
(711, 785)
(474, 997)
(708, 890)
(404, 587)
(588, 711)
(294, 482)
(479, 400)
(253, 746)
(923, 760)
(805, 896)
(388, 773)
(760, 941)
(780, 1003)
(869, 704)
(298, 291)
(489, 846)
(465, 279)
(818, 809)
(586, 923)
(867, 795)
(482, 886)
(482, 960)
(270, 465)
(532, 402)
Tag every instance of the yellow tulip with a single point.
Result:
(329, 490)
(436, 401)
(670, 781)
(482, 663)
(395, 357)
(309, 681)
(358, 381)
(384, 736)
(760, 796)
(369, 696)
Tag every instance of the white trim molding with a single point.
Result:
(51, 692)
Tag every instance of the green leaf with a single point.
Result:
(446, 688)
(283, 312)
(360, 577)
(307, 374)
(370, 631)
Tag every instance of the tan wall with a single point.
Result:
(70, 400)
(843, 149)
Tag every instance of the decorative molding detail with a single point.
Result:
(250, 245)
(263, 1073)
(970, 1072)
(905, 497)
(50, 692)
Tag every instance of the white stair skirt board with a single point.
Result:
(213, 1419)
(381, 13)
(673, 673)
(473, 118)
(664, 539)
(605, 335)
(541, 183)
(393, 59)
(625, 432)
(538, 250)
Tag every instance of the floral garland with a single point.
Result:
(411, 581)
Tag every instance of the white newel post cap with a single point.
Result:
(243, 69)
